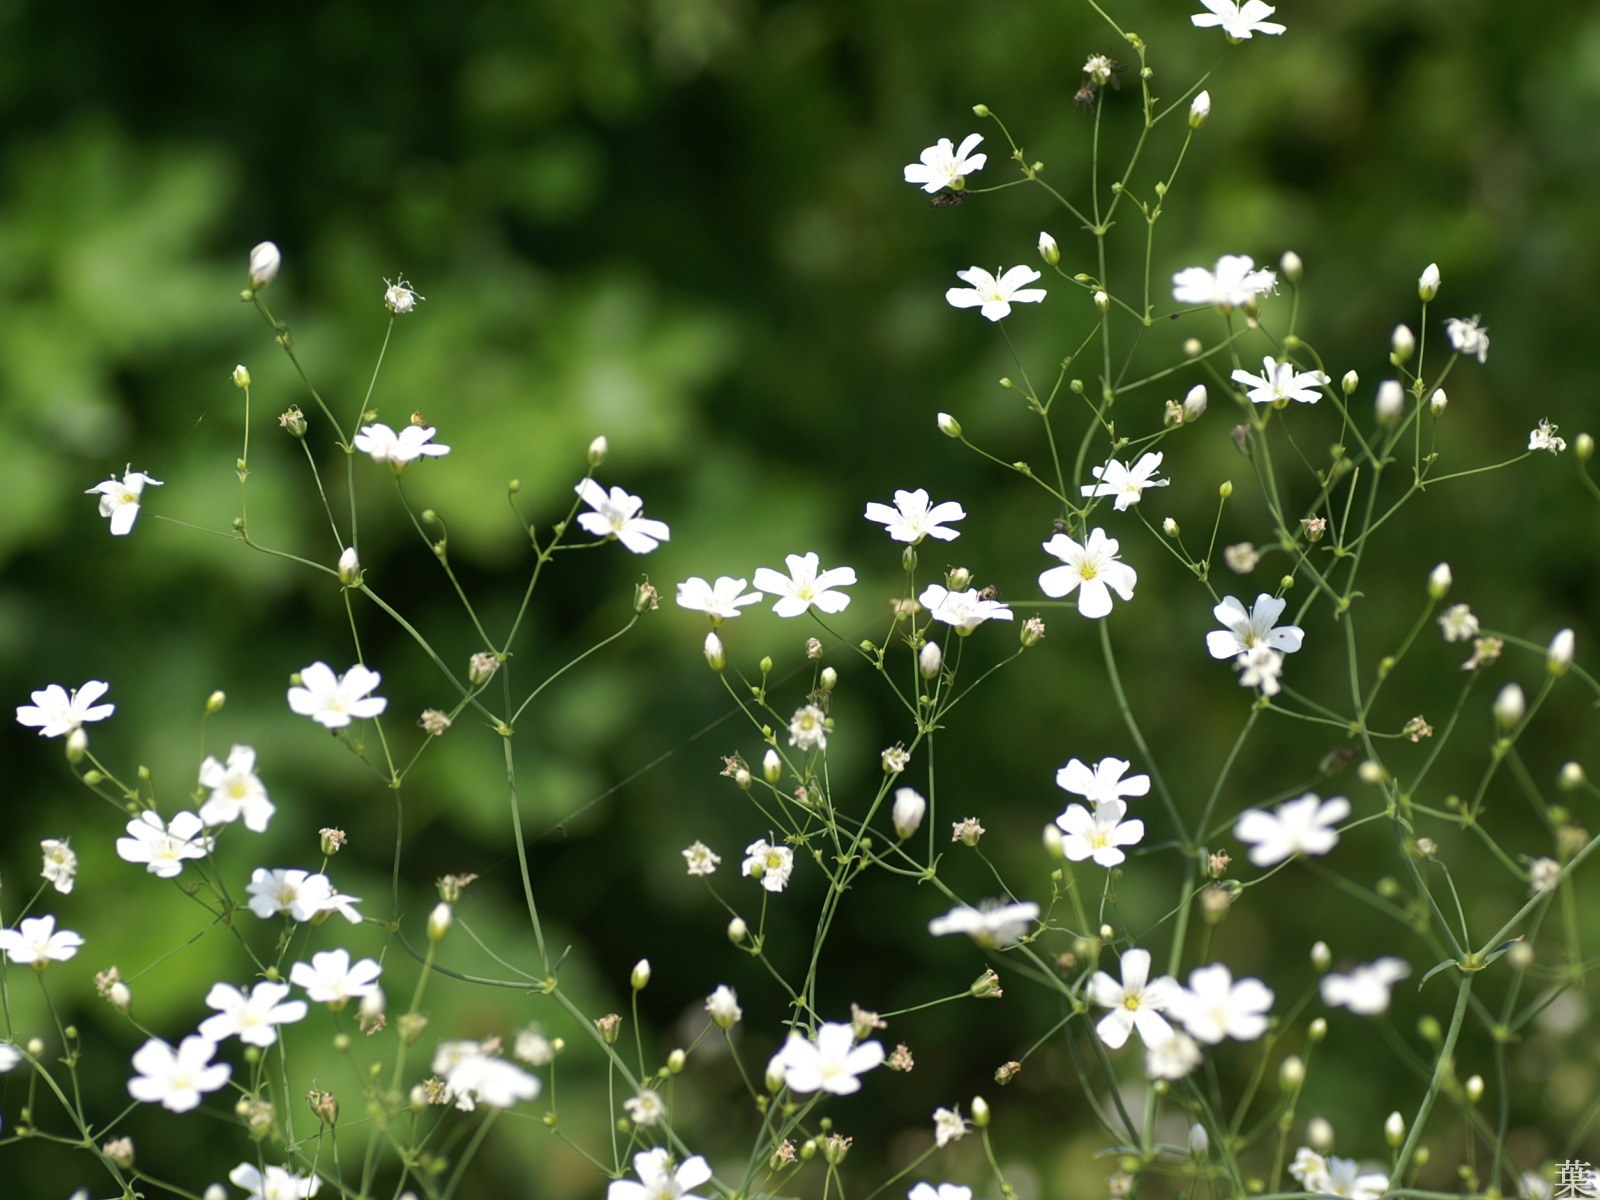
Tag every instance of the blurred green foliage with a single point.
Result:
(681, 223)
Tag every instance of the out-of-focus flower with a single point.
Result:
(658, 1181)
(400, 297)
(333, 701)
(829, 1064)
(992, 924)
(265, 259)
(963, 610)
(1280, 381)
(701, 859)
(60, 864)
(175, 1079)
(330, 978)
(1233, 284)
(1238, 21)
(253, 1019)
(1467, 338)
(36, 942)
(1214, 1006)
(401, 449)
(1303, 826)
(236, 791)
(163, 846)
(1365, 990)
(473, 1076)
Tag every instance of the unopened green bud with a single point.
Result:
(1291, 1073)
(1474, 1089)
(715, 658)
(980, 110)
(598, 449)
(1317, 1030)
(949, 426)
(1350, 383)
(241, 377)
(1394, 1129)
(644, 598)
(439, 921)
(676, 1061)
(641, 975)
(1571, 777)
(737, 931)
(1583, 447)
(1048, 250)
(980, 1112)
(1439, 581)
(1226, 489)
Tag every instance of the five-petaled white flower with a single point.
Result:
(1092, 569)
(808, 728)
(616, 515)
(1466, 337)
(330, 978)
(1364, 990)
(1238, 21)
(1258, 627)
(963, 610)
(1127, 484)
(276, 1183)
(175, 1078)
(1135, 1003)
(772, 865)
(658, 1181)
(253, 1019)
(944, 165)
(646, 1108)
(400, 297)
(36, 942)
(1303, 826)
(1104, 783)
(119, 498)
(805, 586)
(60, 864)
(993, 296)
(912, 518)
(163, 846)
(1233, 284)
(991, 924)
(829, 1064)
(1543, 437)
(298, 894)
(333, 701)
(1260, 666)
(948, 1126)
(1279, 381)
(1098, 834)
(55, 712)
(1214, 1007)
(701, 859)
(1172, 1058)
(720, 601)
(1458, 624)
(945, 1191)
(236, 791)
(473, 1076)
(1336, 1176)
(401, 449)
(723, 1005)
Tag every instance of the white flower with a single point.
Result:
(253, 1018)
(474, 1077)
(36, 942)
(399, 450)
(278, 1183)
(1364, 990)
(1336, 1176)
(1172, 1058)
(10, 1056)
(723, 1005)
(163, 847)
(720, 601)
(265, 260)
(175, 1078)
(533, 1048)
(1244, 630)
(1127, 484)
(1466, 338)
(701, 859)
(1199, 110)
(1238, 21)
(1543, 875)
(1233, 284)
(1092, 567)
(772, 865)
(1279, 381)
(119, 499)
(945, 1191)
(1260, 666)
(1303, 826)
(1102, 784)
(1214, 1007)
(1458, 624)
(948, 1126)
(399, 296)
(616, 515)
(964, 610)
(992, 296)
(236, 791)
(992, 924)
(333, 701)
(912, 518)
(55, 712)
(943, 165)
(657, 1181)
(645, 1109)
(829, 1064)
(331, 979)
(60, 864)
(908, 811)
(1543, 437)
(1097, 835)
(808, 728)
(1099, 68)
(298, 894)
(805, 586)
(1428, 281)
(1135, 1003)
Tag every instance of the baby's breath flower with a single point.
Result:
(1543, 437)
(1467, 338)
(60, 864)
(1456, 622)
(896, 759)
(700, 859)
(1241, 557)
(1543, 875)
(399, 297)
(967, 831)
(808, 729)
(1484, 651)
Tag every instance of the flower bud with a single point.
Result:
(1048, 250)
(1199, 110)
(1030, 633)
(264, 263)
(715, 658)
(1291, 1072)
(1319, 1134)
(215, 702)
(909, 809)
(1474, 1089)
(1169, 527)
(373, 1004)
(737, 931)
(1194, 404)
(1583, 447)
(641, 975)
(775, 1073)
(676, 1061)
(1559, 657)
(1391, 401)
(1439, 581)
(980, 1112)
(1402, 344)
(949, 426)
(439, 921)
(1225, 489)
(77, 746)
(1428, 283)
(119, 1151)
(644, 597)
(929, 659)
(771, 766)
(1350, 383)
(119, 995)
(829, 679)
(980, 110)
(598, 449)
(1291, 266)
(1199, 1140)
(349, 567)
(1571, 777)
(1509, 706)
(215, 1192)
(241, 377)
(1438, 402)
(1317, 1030)
(1394, 1129)
(1321, 956)
(1052, 841)
(1102, 302)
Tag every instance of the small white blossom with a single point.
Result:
(912, 518)
(1303, 826)
(1171, 1058)
(54, 712)
(943, 165)
(333, 701)
(772, 865)
(805, 586)
(1102, 784)
(175, 1079)
(401, 449)
(616, 515)
(400, 297)
(60, 864)
(965, 611)
(993, 924)
(276, 1183)
(1234, 283)
(808, 729)
(1364, 990)
(701, 859)
(472, 1076)
(163, 846)
(723, 1005)
(647, 1108)
(1260, 666)
(330, 978)
(945, 1191)
(1126, 484)
(1243, 630)
(1092, 569)
(1135, 1003)
(1467, 338)
(298, 894)
(993, 295)
(720, 601)
(908, 811)
(658, 1181)
(1215, 1007)
(1336, 1176)
(948, 1126)
(1098, 834)
(236, 791)
(36, 942)
(1544, 437)
(1458, 624)
(253, 1019)
(119, 499)
(1238, 21)
(1280, 381)
(829, 1064)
